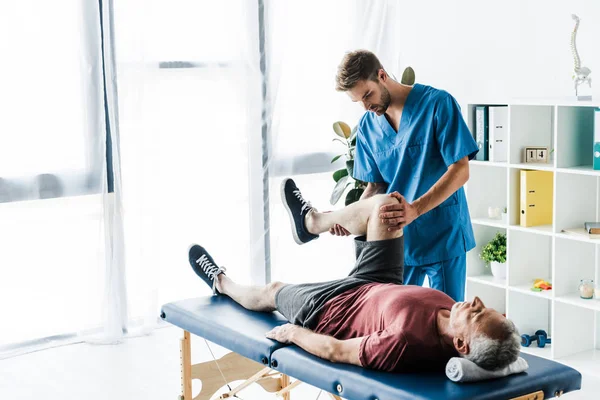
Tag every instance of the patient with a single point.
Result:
(369, 318)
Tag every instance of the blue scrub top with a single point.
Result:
(432, 136)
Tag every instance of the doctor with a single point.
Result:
(413, 144)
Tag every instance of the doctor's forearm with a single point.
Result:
(456, 176)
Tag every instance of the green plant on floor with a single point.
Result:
(495, 249)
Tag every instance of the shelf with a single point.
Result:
(579, 238)
(554, 101)
(497, 223)
(534, 166)
(545, 351)
(526, 289)
(580, 170)
(542, 229)
(489, 280)
(489, 163)
(574, 299)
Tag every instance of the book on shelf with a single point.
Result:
(481, 132)
(581, 232)
(596, 147)
(592, 228)
(498, 133)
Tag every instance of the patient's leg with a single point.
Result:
(359, 218)
(255, 298)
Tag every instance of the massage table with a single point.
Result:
(256, 359)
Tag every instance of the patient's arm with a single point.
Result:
(323, 346)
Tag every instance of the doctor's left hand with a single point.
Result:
(397, 216)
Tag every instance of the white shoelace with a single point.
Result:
(305, 204)
(211, 270)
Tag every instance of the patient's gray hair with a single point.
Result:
(494, 354)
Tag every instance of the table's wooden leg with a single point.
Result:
(186, 367)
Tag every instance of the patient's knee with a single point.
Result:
(272, 289)
(381, 200)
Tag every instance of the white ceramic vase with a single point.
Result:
(498, 269)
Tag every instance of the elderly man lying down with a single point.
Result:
(369, 318)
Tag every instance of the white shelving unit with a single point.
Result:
(542, 251)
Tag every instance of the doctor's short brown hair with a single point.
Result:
(356, 66)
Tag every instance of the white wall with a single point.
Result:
(483, 50)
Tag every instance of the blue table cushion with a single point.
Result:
(222, 321)
(362, 384)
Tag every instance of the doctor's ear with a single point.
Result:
(382, 75)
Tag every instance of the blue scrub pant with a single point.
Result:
(448, 276)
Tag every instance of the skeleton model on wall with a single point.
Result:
(582, 74)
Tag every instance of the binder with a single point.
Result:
(498, 133)
(481, 132)
(596, 147)
(536, 198)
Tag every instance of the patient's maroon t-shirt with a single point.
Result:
(398, 322)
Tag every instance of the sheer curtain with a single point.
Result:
(189, 85)
(53, 179)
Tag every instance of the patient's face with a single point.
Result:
(468, 318)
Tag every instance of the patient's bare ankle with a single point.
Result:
(222, 281)
(310, 221)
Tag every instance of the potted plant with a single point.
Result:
(494, 253)
(343, 177)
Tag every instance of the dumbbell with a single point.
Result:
(540, 336)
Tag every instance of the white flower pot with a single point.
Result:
(498, 269)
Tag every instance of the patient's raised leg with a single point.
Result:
(359, 218)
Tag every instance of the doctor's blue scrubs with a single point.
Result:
(431, 136)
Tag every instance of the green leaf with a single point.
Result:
(338, 190)
(408, 76)
(352, 137)
(340, 140)
(350, 167)
(353, 196)
(339, 174)
(336, 158)
(342, 129)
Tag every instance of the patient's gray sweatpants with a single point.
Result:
(376, 261)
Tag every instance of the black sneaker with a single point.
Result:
(204, 266)
(297, 209)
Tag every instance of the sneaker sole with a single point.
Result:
(292, 223)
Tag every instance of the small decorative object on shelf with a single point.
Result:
(494, 253)
(582, 74)
(494, 212)
(586, 289)
(535, 154)
(540, 284)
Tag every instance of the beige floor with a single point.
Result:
(142, 368)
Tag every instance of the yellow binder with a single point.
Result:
(536, 197)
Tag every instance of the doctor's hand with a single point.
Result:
(397, 216)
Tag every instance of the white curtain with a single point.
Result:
(188, 78)
(54, 201)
